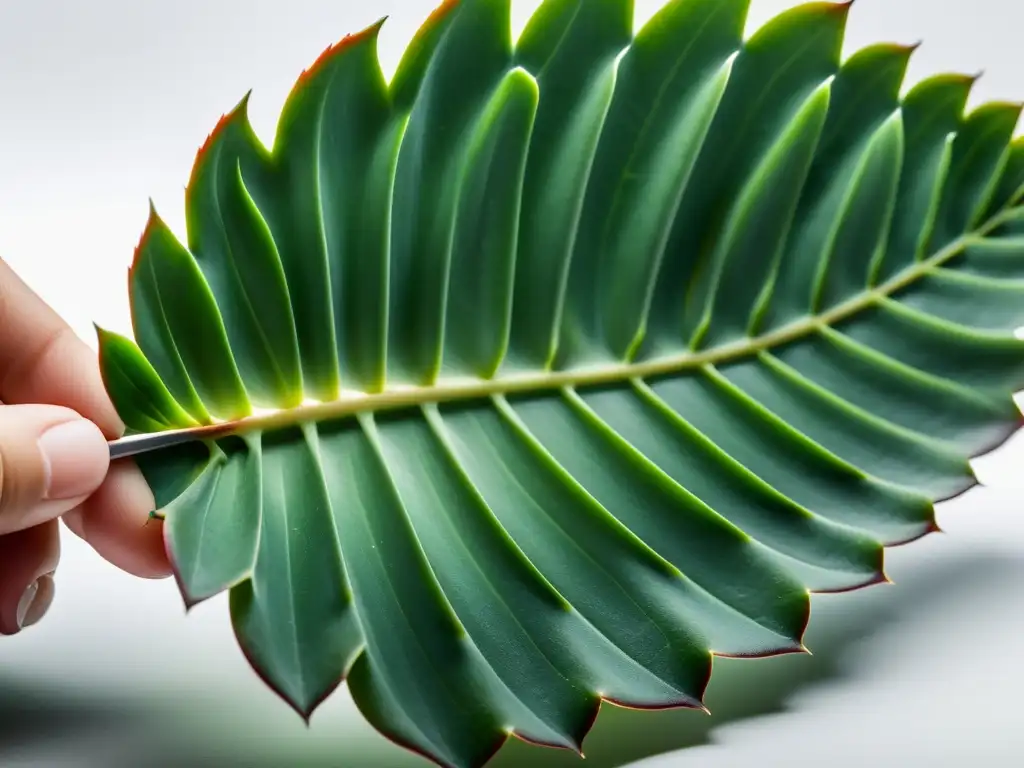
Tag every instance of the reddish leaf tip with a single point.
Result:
(841, 9)
(962, 78)
(152, 221)
(769, 653)
(305, 712)
(189, 600)
(904, 49)
(436, 17)
(440, 11)
(348, 42)
(878, 577)
(186, 600)
(686, 703)
(239, 112)
(928, 528)
(571, 745)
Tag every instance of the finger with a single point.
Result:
(28, 559)
(43, 361)
(115, 522)
(51, 459)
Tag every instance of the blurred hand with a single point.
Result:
(55, 419)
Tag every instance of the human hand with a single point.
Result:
(55, 419)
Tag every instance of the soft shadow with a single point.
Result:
(164, 734)
(42, 712)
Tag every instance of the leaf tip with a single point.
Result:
(304, 711)
(303, 706)
(240, 112)
(570, 743)
(242, 108)
(104, 338)
(442, 10)
(879, 578)
(153, 221)
(436, 17)
(876, 577)
(187, 600)
(841, 8)
(347, 43)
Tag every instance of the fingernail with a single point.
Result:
(75, 456)
(36, 601)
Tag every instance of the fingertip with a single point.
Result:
(115, 521)
(75, 459)
(50, 460)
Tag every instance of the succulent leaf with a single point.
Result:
(589, 356)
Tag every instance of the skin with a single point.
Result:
(50, 378)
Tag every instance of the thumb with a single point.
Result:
(51, 460)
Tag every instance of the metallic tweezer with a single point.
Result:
(133, 445)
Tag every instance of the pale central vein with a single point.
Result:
(453, 389)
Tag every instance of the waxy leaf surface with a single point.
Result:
(589, 356)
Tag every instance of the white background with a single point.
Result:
(103, 105)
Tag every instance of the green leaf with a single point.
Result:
(294, 616)
(483, 254)
(978, 157)
(135, 387)
(932, 113)
(550, 370)
(776, 71)
(572, 48)
(185, 342)
(215, 533)
(641, 170)
(852, 166)
(230, 240)
(427, 187)
(344, 113)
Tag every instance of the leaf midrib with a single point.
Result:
(454, 389)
